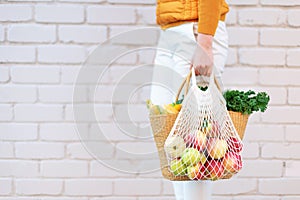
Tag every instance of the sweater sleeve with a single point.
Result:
(208, 16)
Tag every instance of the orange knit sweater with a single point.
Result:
(206, 12)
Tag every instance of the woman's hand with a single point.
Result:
(202, 59)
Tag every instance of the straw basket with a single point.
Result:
(240, 122)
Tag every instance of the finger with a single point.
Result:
(209, 71)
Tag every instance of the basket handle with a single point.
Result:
(186, 82)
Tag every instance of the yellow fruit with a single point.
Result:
(170, 109)
(177, 107)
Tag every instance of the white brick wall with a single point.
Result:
(43, 44)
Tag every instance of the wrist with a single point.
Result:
(205, 40)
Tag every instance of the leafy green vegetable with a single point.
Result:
(246, 102)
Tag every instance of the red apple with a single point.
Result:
(232, 162)
(235, 144)
(216, 148)
(196, 172)
(214, 169)
(197, 140)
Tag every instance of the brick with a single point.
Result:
(280, 2)
(42, 113)
(31, 33)
(98, 15)
(279, 37)
(38, 186)
(65, 198)
(243, 76)
(4, 74)
(17, 54)
(83, 1)
(118, 29)
(232, 57)
(146, 36)
(145, 2)
(265, 133)
(160, 198)
(18, 131)
(115, 94)
(69, 74)
(250, 150)
(293, 18)
(280, 114)
(82, 34)
(262, 56)
(293, 57)
(231, 17)
(8, 13)
(246, 2)
(137, 187)
(88, 187)
(292, 133)
(256, 198)
(98, 169)
(279, 186)
(18, 94)
(6, 186)
(293, 96)
(40, 74)
(6, 150)
(292, 169)
(284, 77)
(278, 95)
(78, 151)
(2, 33)
(60, 132)
(130, 113)
(89, 112)
(19, 168)
(236, 186)
(261, 16)
(261, 169)
(63, 94)
(59, 13)
(64, 168)
(6, 113)
(126, 150)
(113, 132)
(242, 36)
(71, 54)
(39, 150)
(291, 198)
(114, 198)
(146, 15)
(281, 151)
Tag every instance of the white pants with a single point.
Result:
(172, 63)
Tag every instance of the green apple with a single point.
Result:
(203, 158)
(175, 146)
(177, 167)
(191, 156)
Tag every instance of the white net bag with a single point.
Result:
(203, 143)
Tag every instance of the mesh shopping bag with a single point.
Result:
(203, 143)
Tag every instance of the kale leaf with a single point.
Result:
(246, 102)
